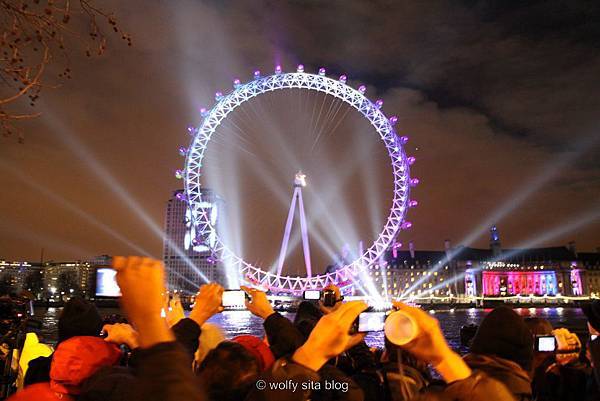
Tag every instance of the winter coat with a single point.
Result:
(509, 373)
(555, 382)
(74, 361)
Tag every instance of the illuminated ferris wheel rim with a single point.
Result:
(225, 104)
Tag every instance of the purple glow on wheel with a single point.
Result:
(406, 225)
(411, 160)
(379, 103)
(362, 89)
(256, 74)
(414, 182)
(237, 83)
(403, 140)
(393, 120)
(300, 68)
(278, 69)
(321, 71)
(345, 275)
(181, 196)
(413, 203)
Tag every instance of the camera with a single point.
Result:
(329, 298)
(233, 299)
(312, 295)
(369, 321)
(106, 283)
(545, 343)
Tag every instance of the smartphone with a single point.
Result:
(106, 283)
(233, 299)
(545, 343)
(312, 295)
(369, 321)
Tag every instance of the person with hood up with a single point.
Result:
(503, 349)
(74, 361)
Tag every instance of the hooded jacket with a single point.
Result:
(74, 361)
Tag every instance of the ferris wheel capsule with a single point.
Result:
(183, 150)
(343, 78)
(278, 69)
(322, 71)
(362, 89)
(237, 83)
(379, 103)
(300, 68)
(411, 160)
(178, 174)
(219, 96)
(257, 74)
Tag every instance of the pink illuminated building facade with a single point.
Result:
(493, 272)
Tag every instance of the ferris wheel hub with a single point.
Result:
(300, 179)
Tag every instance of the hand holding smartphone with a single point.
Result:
(545, 343)
(369, 321)
(233, 299)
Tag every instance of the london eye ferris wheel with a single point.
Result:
(283, 81)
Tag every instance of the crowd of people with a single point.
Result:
(171, 357)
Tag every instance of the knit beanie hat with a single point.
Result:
(79, 318)
(258, 349)
(503, 333)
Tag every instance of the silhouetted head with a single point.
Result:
(504, 334)
(79, 318)
(539, 326)
(228, 372)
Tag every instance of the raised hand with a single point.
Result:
(338, 297)
(258, 305)
(331, 336)
(207, 303)
(142, 285)
(174, 311)
(430, 345)
(121, 333)
(568, 345)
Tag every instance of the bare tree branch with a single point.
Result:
(37, 33)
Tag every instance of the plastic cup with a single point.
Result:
(400, 328)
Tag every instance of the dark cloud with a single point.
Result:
(491, 95)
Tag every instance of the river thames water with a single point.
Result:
(242, 322)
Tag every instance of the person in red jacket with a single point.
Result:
(74, 361)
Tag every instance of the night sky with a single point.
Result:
(500, 100)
